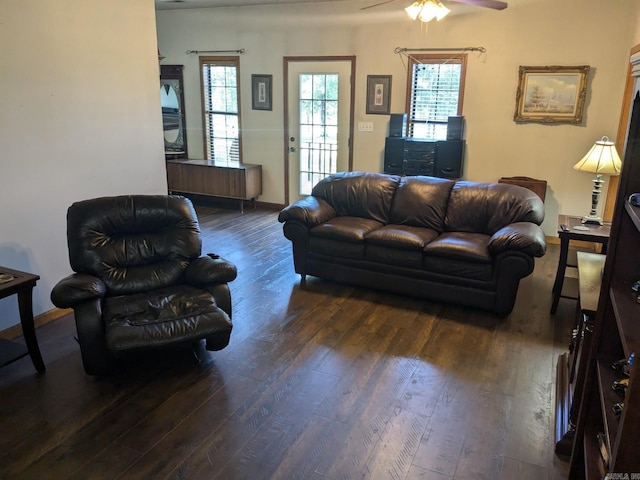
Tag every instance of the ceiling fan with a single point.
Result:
(494, 4)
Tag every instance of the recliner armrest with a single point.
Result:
(77, 288)
(210, 269)
(310, 211)
(521, 236)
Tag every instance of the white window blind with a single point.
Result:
(221, 107)
(434, 94)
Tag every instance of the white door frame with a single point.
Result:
(287, 133)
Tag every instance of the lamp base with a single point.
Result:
(592, 220)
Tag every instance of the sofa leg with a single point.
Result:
(303, 280)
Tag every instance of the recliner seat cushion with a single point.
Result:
(161, 317)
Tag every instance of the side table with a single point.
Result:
(21, 284)
(567, 231)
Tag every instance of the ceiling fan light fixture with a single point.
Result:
(427, 10)
(442, 11)
(413, 10)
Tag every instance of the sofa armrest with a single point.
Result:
(521, 236)
(310, 211)
(76, 289)
(210, 269)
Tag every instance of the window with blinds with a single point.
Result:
(434, 93)
(221, 107)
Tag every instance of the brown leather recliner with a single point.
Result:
(140, 280)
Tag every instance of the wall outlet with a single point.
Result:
(365, 126)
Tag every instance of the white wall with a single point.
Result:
(80, 116)
(528, 32)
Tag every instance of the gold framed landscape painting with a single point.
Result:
(553, 94)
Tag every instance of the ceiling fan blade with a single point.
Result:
(377, 4)
(495, 4)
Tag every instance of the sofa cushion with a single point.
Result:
(470, 247)
(346, 229)
(359, 194)
(341, 237)
(400, 245)
(402, 237)
(421, 202)
(459, 271)
(397, 257)
(487, 207)
(333, 249)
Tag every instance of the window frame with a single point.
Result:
(220, 61)
(441, 59)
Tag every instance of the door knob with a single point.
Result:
(292, 149)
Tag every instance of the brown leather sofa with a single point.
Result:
(461, 242)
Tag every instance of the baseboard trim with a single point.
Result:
(38, 321)
(270, 206)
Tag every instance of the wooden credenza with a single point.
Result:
(204, 177)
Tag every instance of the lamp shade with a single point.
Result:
(427, 10)
(602, 159)
(413, 10)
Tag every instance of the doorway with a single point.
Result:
(318, 109)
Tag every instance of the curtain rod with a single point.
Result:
(463, 49)
(241, 51)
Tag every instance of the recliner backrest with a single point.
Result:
(133, 243)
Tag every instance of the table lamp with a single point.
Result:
(601, 159)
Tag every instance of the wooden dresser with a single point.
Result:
(204, 177)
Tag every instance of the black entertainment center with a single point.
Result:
(420, 156)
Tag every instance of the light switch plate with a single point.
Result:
(365, 126)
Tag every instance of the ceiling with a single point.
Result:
(180, 4)
(386, 7)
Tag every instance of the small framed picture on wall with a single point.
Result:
(379, 94)
(261, 92)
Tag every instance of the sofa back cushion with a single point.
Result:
(133, 243)
(487, 207)
(359, 194)
(421, 202)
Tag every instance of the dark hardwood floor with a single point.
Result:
(332, 382)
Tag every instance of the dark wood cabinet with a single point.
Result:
(606, 441)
